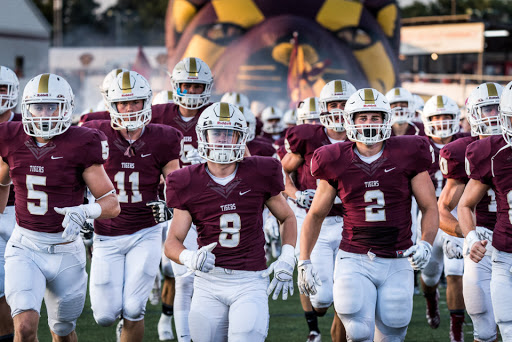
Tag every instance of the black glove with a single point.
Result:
(161, 212)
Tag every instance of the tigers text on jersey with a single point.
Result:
(304, 140)
(49, 176)
(452, 165)
(376, 196)
(232, 214)
(435, 173)
(490, 162)
(136, 178)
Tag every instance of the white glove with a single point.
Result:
(201, 260)
(484, 234)
(283, 273)
(451, 248)
(194, 158)
(419, 255)
(271, 228)
(471, 239)
(304, 198)
(161, 212)
(307, 279)
(74, 219)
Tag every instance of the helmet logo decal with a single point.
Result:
(338, 87)
(440, 104)
(224, 112)
(491, 89)
(397, 91)
(43, 84)
(312, 104)
(126, 86)
(193, 67)
(368, 97)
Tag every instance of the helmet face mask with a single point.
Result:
(251, 122)
(10, 84)
(47, 106)
(334, 91)
(125, 92)
(191, 70)
(505, 115)
(367, 101)
(437, 125)
(221, 133)
(402, 113)
(483, 109)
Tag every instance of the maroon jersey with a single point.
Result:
(259, 126)
(489, 162)
(376, 196)
(273, 138)
(435, 173)
(452, 164)
(304, 140)
(10, 201)
(261, 147)
(104, 115)
(232, 214)
(49, 176)
(136, 177)
(414, 128)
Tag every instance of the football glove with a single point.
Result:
(74, 220)
(419, 255)
(304, 198)
(451, 248)
(308, 279)
(194, 157)
(87, 232)
(201, 260)
(271, 228)
(161, 212)
(283, 273)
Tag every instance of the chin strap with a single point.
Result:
(130, 151)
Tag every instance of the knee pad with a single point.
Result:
(167, 267)
(22, 301)
(61, 328)
(105, 320)
(323, 298)
(432, 278)
(358, 331)
(134, 309)
(348, 284)
(200, 329)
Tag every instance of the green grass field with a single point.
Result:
(287, 323)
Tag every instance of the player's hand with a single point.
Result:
(475, 247)
(283, 273)
(201, 260)
(74, 221)
(451, 248)
(161, 212)
(304, 198)
(419, 255)
(87, 232)
(308, 279)
(194, 157)
(271, 228)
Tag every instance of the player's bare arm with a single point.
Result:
(103, 190)
(170, 167)
(448, 200)
(322, 203)
(180, 225)
(472, 195)
(291, 163)
(5, 182)
(423, 190)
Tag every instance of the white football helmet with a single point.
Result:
(367, 100)
(221, 133)
(165, 96)
(482, 109)
(129, 86)
(47, 106)
(290, 117)
(112, 75)
(238, 99)
(269, 115)
(251, 122)
(308, 110)
(401, 114)
(191, 70)
(419, 103)
(337, 90)
(437, 105)
(10, 99)
(506, 113)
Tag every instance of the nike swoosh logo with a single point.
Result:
(243, 193)
(57, 157)
(387, 170)
(145, 155)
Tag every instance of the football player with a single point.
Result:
(419, 103)
(127, 249)
(273, 126)
(488, 167)
(373, 281)
(290, 118)
(482, 106)
(257, 145)
(224, 198)
(403, 111)
(9, 90)
(301, 142)
(51, 163)
(441, 121)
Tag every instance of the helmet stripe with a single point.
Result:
(338, 87)
(193, 67)
(491, 89)
(118, 71)
(397, 91)
(312, 106)
(43, 84)
(169, 95)
(368, 96)
(224, 112)
(440, 103)
(126, 86)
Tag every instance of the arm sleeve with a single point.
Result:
(477, 165)
(96, 147)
